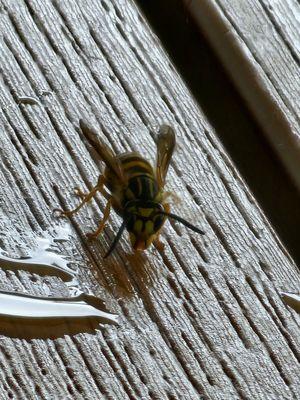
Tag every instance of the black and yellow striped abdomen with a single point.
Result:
(140, 177)
(142, 184)
(141, 187)
(138, 200)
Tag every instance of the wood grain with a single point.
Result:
(201, 319)
(258, 44)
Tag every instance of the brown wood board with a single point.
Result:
(201, 319)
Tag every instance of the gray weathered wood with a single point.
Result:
(258, 43)
(201, 319)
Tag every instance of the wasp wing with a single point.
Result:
(165, 147)
(110, 160)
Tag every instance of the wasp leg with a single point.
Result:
(85, 198)
(167, 207)
(96, 233)
(78, 192)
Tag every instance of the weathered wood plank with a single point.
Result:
(201, 319)
(258, 43)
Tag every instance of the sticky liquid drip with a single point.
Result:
(46, 311)
(42, 260)
(42, 263)
(24, 306)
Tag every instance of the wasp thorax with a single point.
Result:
(144, 223)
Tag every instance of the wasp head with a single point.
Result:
(143, 222)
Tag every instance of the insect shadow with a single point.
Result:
(125, 279)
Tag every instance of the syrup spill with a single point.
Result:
(43, 263)
(292, 300)
(17, 305)
(42, 260)
(27, 316)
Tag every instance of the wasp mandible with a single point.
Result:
(133, 189)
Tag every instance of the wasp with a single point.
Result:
(134, 189)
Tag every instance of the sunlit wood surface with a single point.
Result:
(200, 319)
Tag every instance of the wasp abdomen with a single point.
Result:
(141, 184)
(141, 187)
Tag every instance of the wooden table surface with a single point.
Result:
(258, 44)
(200, 319)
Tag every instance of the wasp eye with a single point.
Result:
(158, 222)
(130, 224)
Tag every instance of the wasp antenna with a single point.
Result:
(182, 221)
(116, 239)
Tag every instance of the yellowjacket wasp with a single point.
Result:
(133, 189)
